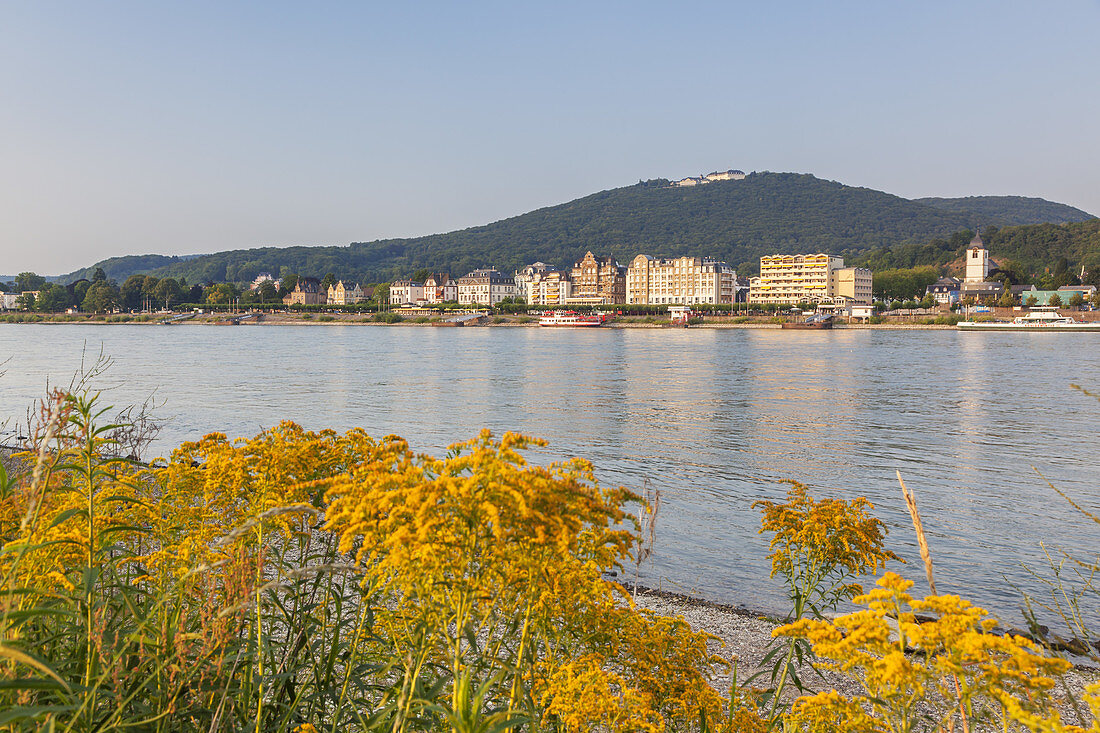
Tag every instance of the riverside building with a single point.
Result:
(406, 292)
(598, 281)
(485, 287)
(440, 288)
(550, 287)
(815, 278)
(684, 280)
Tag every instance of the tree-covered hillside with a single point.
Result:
(1029, 251)
(120, 268)
(737, 221)
(734, 220)
(1010, 210)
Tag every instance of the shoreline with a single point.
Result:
(718, 325)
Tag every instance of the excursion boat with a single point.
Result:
(570, 318)
(1041, 319)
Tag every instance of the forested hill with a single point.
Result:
(1008, 210)
(737, 221)
(1025, 250)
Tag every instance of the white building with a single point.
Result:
(485, 287)
(262, 278)
(406, 292)
(550, 288)
(440, 288)
(525, 276)
(9, 301)
(977, 261)
(684, 280)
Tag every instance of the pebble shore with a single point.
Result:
(745, 636)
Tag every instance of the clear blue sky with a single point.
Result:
(136, 127)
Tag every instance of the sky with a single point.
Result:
(190, 127)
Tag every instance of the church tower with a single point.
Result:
(977, 260)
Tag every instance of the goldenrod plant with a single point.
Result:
(820, 547)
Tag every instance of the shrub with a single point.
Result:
(326, 318)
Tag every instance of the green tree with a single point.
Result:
(80, 289)
(28, 281)
(1055, 300)
(101, 297)
(1096, 299)
(1076, 301)
(381, 295)
(52, 298)
(1007, 300)
(288, 283)
(327, 282)
(99, 275)
(1031, 301)
(168, 291)
(422, 274)
(267, 292)
(130, 292)
(928, 301)
(220, 294)
(26, 300)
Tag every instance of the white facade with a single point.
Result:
(552, 288)
(9, 301)
(406, 291)
(525, 276)
(440, 288)
(485, 287)
(684, 280)
(977, 261)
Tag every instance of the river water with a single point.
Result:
(715, 419)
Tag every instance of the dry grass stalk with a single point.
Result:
(922, 541)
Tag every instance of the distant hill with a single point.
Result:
(737, 221)
(1010, 210)
(120, 268)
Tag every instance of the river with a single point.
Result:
(715, 419)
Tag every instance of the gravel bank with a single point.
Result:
(745, 635)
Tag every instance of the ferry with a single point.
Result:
(570, 318)
(1040, 319)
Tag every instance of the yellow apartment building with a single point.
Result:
(814, 278)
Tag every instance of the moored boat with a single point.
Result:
(1040, 319)
(570, 318)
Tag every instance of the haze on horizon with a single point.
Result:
(136, 128)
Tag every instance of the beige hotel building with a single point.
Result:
(817, 278)
(684, 280)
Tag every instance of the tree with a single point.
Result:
(52, 298)
(99, 275)
(1031, 301)
(422, 274)
(25, 281)
(327, 282)
(1096, 299)
(130, 292)
(220, 294)
(1055, 300)
(1007, 300)
(267, 292)
(288, 283)
(1076, 301)
(168, 291)
(26, 300)
(928, 301)
(101, 297)
(381, 294)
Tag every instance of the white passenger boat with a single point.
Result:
(1039, 319)
(570, 318)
